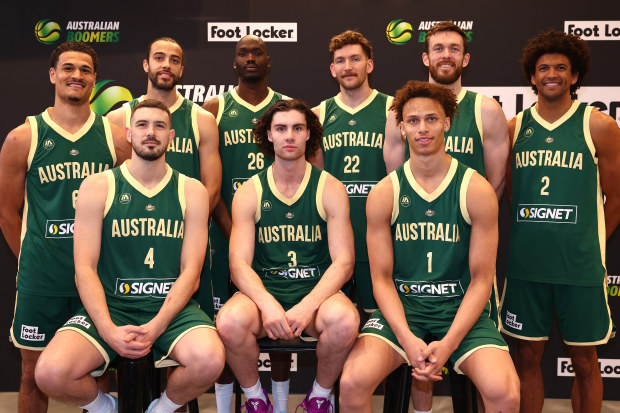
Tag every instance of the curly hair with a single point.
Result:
(349, 37)
(285, 105)
(445, 26)
(169, 40)
(553, 41)
(73, 47)
(416, 89)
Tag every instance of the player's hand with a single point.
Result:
(275, 322)
(299, 317)
(414, 348)
(123, 339)
(436, 354)
(152, 332)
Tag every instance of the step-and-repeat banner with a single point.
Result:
(297, 35)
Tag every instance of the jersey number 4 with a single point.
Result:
(149, 260)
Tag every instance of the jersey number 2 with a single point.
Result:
(545, 181)
(352, 164)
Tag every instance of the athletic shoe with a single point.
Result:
(315, 405)
(258, 405)
(151, 405)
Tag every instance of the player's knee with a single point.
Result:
(343, 324)
(354, 390)
(504, 393)
(585, 365)
(50, 376)
(231, 325)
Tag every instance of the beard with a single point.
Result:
(147, 154)
(160, 84)
(445, 79)
(352, 86)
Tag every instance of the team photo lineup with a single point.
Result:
(367, 222)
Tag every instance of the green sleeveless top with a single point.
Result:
(182, 153)
(58, 162)
(353, 153)
(141, 240)
(558, 223)
(291, 249)
(430, 234)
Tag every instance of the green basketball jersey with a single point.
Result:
(431, 235)
(141, 240)
(353, 153)
(558, 223)
(58, 162)
(464, 139)
(182, 153)
(291, 250)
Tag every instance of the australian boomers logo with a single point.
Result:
(294, 273)
(554, 214)
(430, 289)
(399, 31)
(59, 228)
(47, 31)
(143, 287)
(105, 97)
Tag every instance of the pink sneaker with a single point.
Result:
(315, 405)
(258, 405)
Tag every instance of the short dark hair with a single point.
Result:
(73, 47)
(165, 39)
(553, 41)
(416, 89)
(350, 37)
(446, 26)
(152, 103)
(285, 105)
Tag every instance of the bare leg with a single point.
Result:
(422, 395)
(527, 362)
(31, 398)
(588, 382)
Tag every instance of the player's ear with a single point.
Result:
(171, 137)
(128, 134)
(575, 78)
(145, 65)
(370, 66)
(53, 75)
(401, 125)
(425, 59)
(446, 127)
(269, 138)
(466, 59)
(331, 69)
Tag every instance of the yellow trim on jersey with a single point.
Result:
(564, 118)
(177, 104)
(109, 199)
(259, 196)
(253, 108)
(322, 110)
(194, 117)
(463, 194)
(457, 364)
(181, 191)
(220, 108)
(104, 354)
(518, 123)
(388, 103)
(395, 193)
(302, 186)
(399, 350)
(461, 95)
(478, 116)
(587, 134)
(34, 139)
(165, 361)
(353, 111)
(73, 137)
(439, 190)
(109, 138)
(149, 193)
(319, 196)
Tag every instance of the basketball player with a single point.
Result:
(565, 155)
(141, 236)
(293, 252)
(432, 242)
(236, 113)
(352, 149)
(42, 164)
(194, 150)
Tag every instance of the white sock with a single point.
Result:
(223, 397)
(165, 405)
(419, 411)
(254, 392)
(332, 398)
(318, 391)
(279, 391)
(101, 404)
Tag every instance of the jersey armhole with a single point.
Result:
(388, 103)
(34, 138)
(220, 108)
(109, 199)
(109, 138)
(127, 110)
(259, 195)
(322, 107)
(319, 196)
(194, 117)
(395, 192)
(463, 194)
(478, 116)
(182, 198)
(587, 134)
(518, 122)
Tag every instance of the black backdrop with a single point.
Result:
(498, 32)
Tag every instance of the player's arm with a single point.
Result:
(341, 251)
(240, 259)
(210, 162)
(13, 168)
(511, 132)
(89, 211)
(121, 144)
(381, 259)
(318, 158)
(483, 210)
(195, 235)
(212, 105)
(394, 146)
(118, 116)
(606, 137)
(495, 143)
